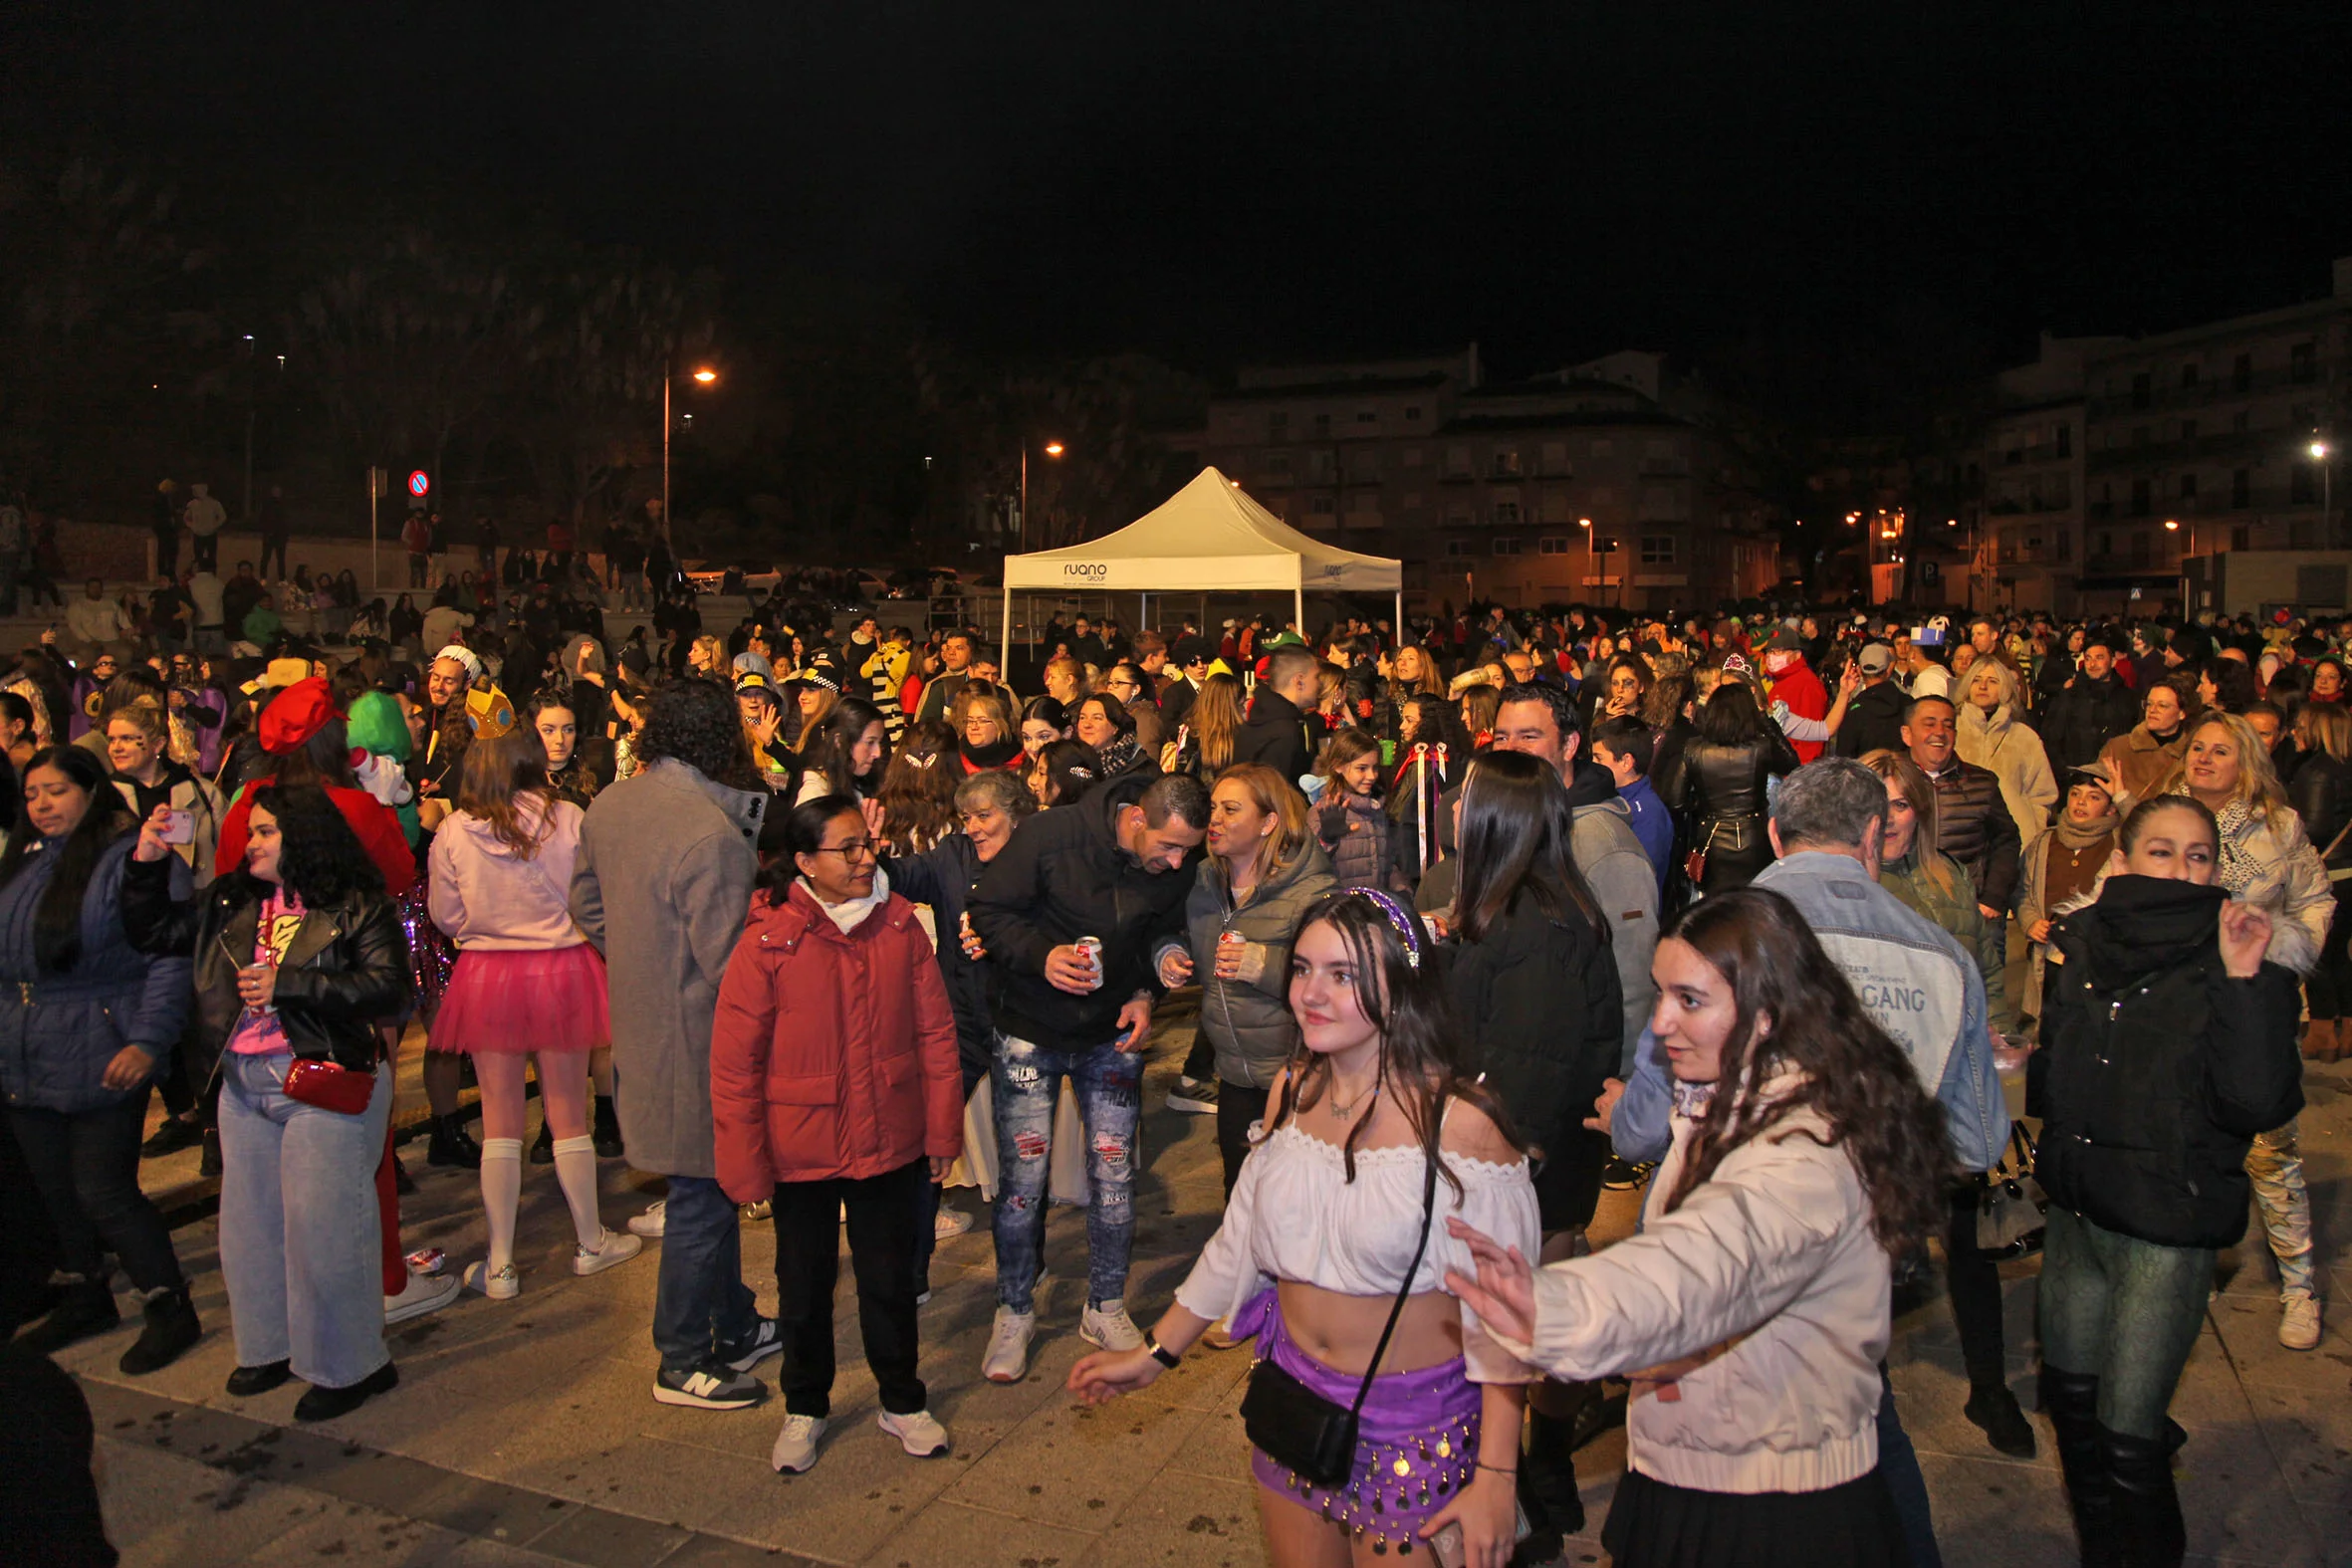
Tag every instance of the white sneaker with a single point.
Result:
(796, 1444)
(611, 1250)
(951, 1224)
(501, 1285)
(1110, 1326)
(2299, 1320)
(1006, 1360)
(920, 1434)
(651, 1223)
(423, 1293)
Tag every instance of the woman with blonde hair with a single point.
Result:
(2267, 860)
(707, 656)
(1993, 738)
(987, 734)
(1935, 886)
(1205, 742)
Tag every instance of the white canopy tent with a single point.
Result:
(1208, 536)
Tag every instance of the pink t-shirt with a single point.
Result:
(258, 1031)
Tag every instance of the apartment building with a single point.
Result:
(2028, 523)
(1579, 486)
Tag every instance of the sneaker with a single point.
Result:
(1006, 1358)
(951, 1224)
(920, 1434)
(1110, 1326)
(923, 1296)
(501, 1284)
(1197, 1095)
(649, 1224)
(1220, 1336)
(324, 1403)
(1994, 1408)
(711, 1386)
(1624, 1176)
(611, 1250)
(175, 1134)
(796, 1444)
(423, 1293)
(2299, 1320)
(767, 1340)
(752, 1212)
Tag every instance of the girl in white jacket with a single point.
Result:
(1752, 1311)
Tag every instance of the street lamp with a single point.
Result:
(1586, 524)
(2327, 491)
(703, 376)
(1051, 449)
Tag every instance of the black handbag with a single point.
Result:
(1300, 1430)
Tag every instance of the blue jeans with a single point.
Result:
(1025, 1080)
(1898, 1462)
(701, 1306)
(300, 1245)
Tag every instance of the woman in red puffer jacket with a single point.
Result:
(835, 1087)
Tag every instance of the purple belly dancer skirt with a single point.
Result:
(1416, 1440)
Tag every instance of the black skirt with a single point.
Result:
(1656, 1525)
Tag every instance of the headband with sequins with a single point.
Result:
(1407, 923)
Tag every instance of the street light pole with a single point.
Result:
(704, 376)
(1586, 524)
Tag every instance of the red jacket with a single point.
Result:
(1799, 687)
(378, 828)
(833, 1054)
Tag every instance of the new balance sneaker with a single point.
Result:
(650, 1223)
(767, 1340)
(611, 1251)
(1197, 1095)
(920, 1434)
(796, 1444)
(501, 1284)
(1006, 1358)
(711, 1386)
(2299, 1320)
(423, 1293)
(951, 1224)
(1110, 1326)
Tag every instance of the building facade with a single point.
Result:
(1577, 487)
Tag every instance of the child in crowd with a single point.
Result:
(1349, 820)
(1625, 746)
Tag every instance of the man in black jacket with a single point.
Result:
(1874, 718)
(2088, 711)
(1277, 732)
(1115, 866)
(1972, 822)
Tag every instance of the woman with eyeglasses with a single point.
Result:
(867, 1020)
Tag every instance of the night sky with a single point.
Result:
(1219, 183)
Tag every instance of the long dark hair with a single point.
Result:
(826, 749)
(1856, 1078)
(1730, 716)
(320, 859)
(323, 759)
(1403, 997)
(1070, 769)
(57, 920)
(1516, 833)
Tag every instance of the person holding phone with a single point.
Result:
(298, 956)
(138, 741)
(1069, 914)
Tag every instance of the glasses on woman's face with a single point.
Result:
(854, 852)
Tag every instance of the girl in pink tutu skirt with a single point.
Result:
(527, 983)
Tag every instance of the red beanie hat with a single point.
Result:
(295, 715)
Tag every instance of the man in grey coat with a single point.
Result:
(662, 885)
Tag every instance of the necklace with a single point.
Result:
(1348, 1109)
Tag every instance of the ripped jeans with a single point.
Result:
(1026, 1081)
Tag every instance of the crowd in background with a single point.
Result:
(1484, 914)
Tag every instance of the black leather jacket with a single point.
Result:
(345, 972)
(2321, 792)
(1729, 781)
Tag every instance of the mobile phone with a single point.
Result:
(179, 826)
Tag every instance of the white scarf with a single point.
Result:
(852, 914)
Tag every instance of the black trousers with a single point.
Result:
(883, 1213)
(1974, 1286)
(1238, 1105)
(86, 1166)
(28, 1243)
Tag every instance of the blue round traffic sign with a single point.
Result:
(419, 483)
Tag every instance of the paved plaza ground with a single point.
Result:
(523, 1432)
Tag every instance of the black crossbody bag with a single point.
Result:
(1299, 1429)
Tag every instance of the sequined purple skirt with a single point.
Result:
(1416, 1440)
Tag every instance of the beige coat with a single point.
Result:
(2013, 754)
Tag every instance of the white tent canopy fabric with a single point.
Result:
(1208, 536)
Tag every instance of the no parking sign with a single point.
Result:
(419, 483)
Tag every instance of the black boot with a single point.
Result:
(1549, 1469)
(607, 1129)
(1994, 1408)
(177, 1133)
(84, 1307)
(209, 1163)
(403, 1184)
(171, 1329)
(2148, 1533)
(452, 1144)
(543, 1148)
(2071, 1400)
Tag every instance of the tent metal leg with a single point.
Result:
(1005, 647)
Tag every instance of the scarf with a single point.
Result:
(1122, 753)
(2075, 837)
(2145, 925)
(981, 757)
(1692, 1099)
(852, 914)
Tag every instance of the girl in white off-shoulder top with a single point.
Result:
(1316, 1239)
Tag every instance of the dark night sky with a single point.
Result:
(1219, 182)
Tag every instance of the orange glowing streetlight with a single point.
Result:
(704, 376)
(1051, 449)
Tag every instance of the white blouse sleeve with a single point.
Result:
(1498, 1199)
(1227, 1275)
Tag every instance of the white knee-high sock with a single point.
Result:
(502, 1189)
(575, 1168)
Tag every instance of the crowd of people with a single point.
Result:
(1484, 914)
